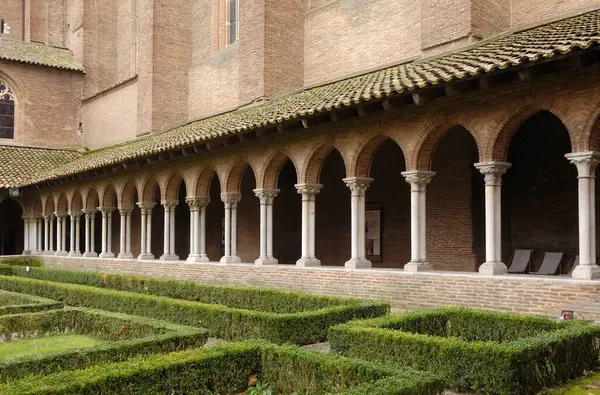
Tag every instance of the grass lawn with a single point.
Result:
(45, 345)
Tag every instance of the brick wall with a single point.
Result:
(520, 294)
(12, 13)
(287, 218)
(531, 13)
(248, 234)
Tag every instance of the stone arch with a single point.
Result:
(590, 138)
(272, 168)
(18, 97)
(76, 201)
(233, 179)
(90, 199)
(19, 202)
(361, 166)
(204, 179)
(47, 202)
(148, 189)
(108, 196)
(314, 163)
(426, 147)
(172, 186)
(501, 137)
(61, 203)
(126, 194)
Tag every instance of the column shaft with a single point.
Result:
(266, 198)
(358, 187)
(308, 192)
(169, 235)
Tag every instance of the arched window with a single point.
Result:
(7, 112)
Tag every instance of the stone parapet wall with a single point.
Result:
(522, 294)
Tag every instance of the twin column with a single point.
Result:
(197, 229)
(266, 197)
(169, 234)
(231, 201)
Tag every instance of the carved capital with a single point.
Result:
(106, 211)
(146, 206)
(493, 171)
(60, 215)
(197, 203)
(89, 213)
(75, 214)
(48, 217)
(358, 185)
(231, 199)
(308, 189)
(586, 163)
(125, 210)
(169, 204)
(418, 179)
(266, 195)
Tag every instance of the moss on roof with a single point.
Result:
(19, 164)
(38, 54)
(530, 46)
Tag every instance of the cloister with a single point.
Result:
(458, 188)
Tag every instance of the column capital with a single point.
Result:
(106, 210)
(197, 203)
(146, 205)
(266, 195)
(231, 198)
(89, 211)
(358, 185)
(308, 189)
(48, 216)
(586, 162)
(75, 214)
(418, 178)
(493, 171)
(60, 214)
(125, 210)
(169, 204)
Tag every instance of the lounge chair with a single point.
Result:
(520, 260)
(550, 263)
(575, 264)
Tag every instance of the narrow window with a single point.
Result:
(233, 21)
(7, 112)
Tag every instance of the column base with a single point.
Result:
(266, 261)
(106, 255)
(91, 254)
(308, 262)
(61, 253)
(414, 267)
(26, 252)
(197, 259)
(169, 257)
(586, 272)
(49, 252)
(493, 268)
(125, 255)
(74, 253)
(358, 263)
(145, 257)
(37, 253)
(230, 259)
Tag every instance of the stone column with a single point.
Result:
(266, 197)
(125, 233)
(61, 234)
(75, 217)
(169, 235)
(197, 229)
(26, 236)
(493, 172)
(231, 201)
(48, 233)
(146, 230)
(309, 193)
(418, 180)
(37, 228)
(358, 187)
(106, 232)
(586, 163)
(90, 221)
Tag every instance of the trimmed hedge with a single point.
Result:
(495, 352)
(125, 336)
(225, 369)
(16, 303)
(24, 260)
(225, 322)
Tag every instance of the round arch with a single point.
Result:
(149, 189)
(233, 179)
(316, 159)
(173, 185)
(427, 146)
(273, 166)
(204, 179)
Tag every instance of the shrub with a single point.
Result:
(25, 260)
(125, 336)
(15, 303)
(225, 322)
(496, 352)
(225, 369)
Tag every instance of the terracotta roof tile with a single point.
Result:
(529, 46)
(39, 54)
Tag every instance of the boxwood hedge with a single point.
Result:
(299, 319)
(226, 369)
(125, 336)
(495, 352)
(15, 303)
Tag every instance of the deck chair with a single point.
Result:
(550, 263)
(575, 264)
(520, 260)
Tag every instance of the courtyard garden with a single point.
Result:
(75, 332)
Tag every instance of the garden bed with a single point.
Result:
(495, 352)
(88, 337)
(226, 370)
(233, 313)
(15, 303)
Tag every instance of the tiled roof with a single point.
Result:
(530, 46)
(39, 54)
(18, 164)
